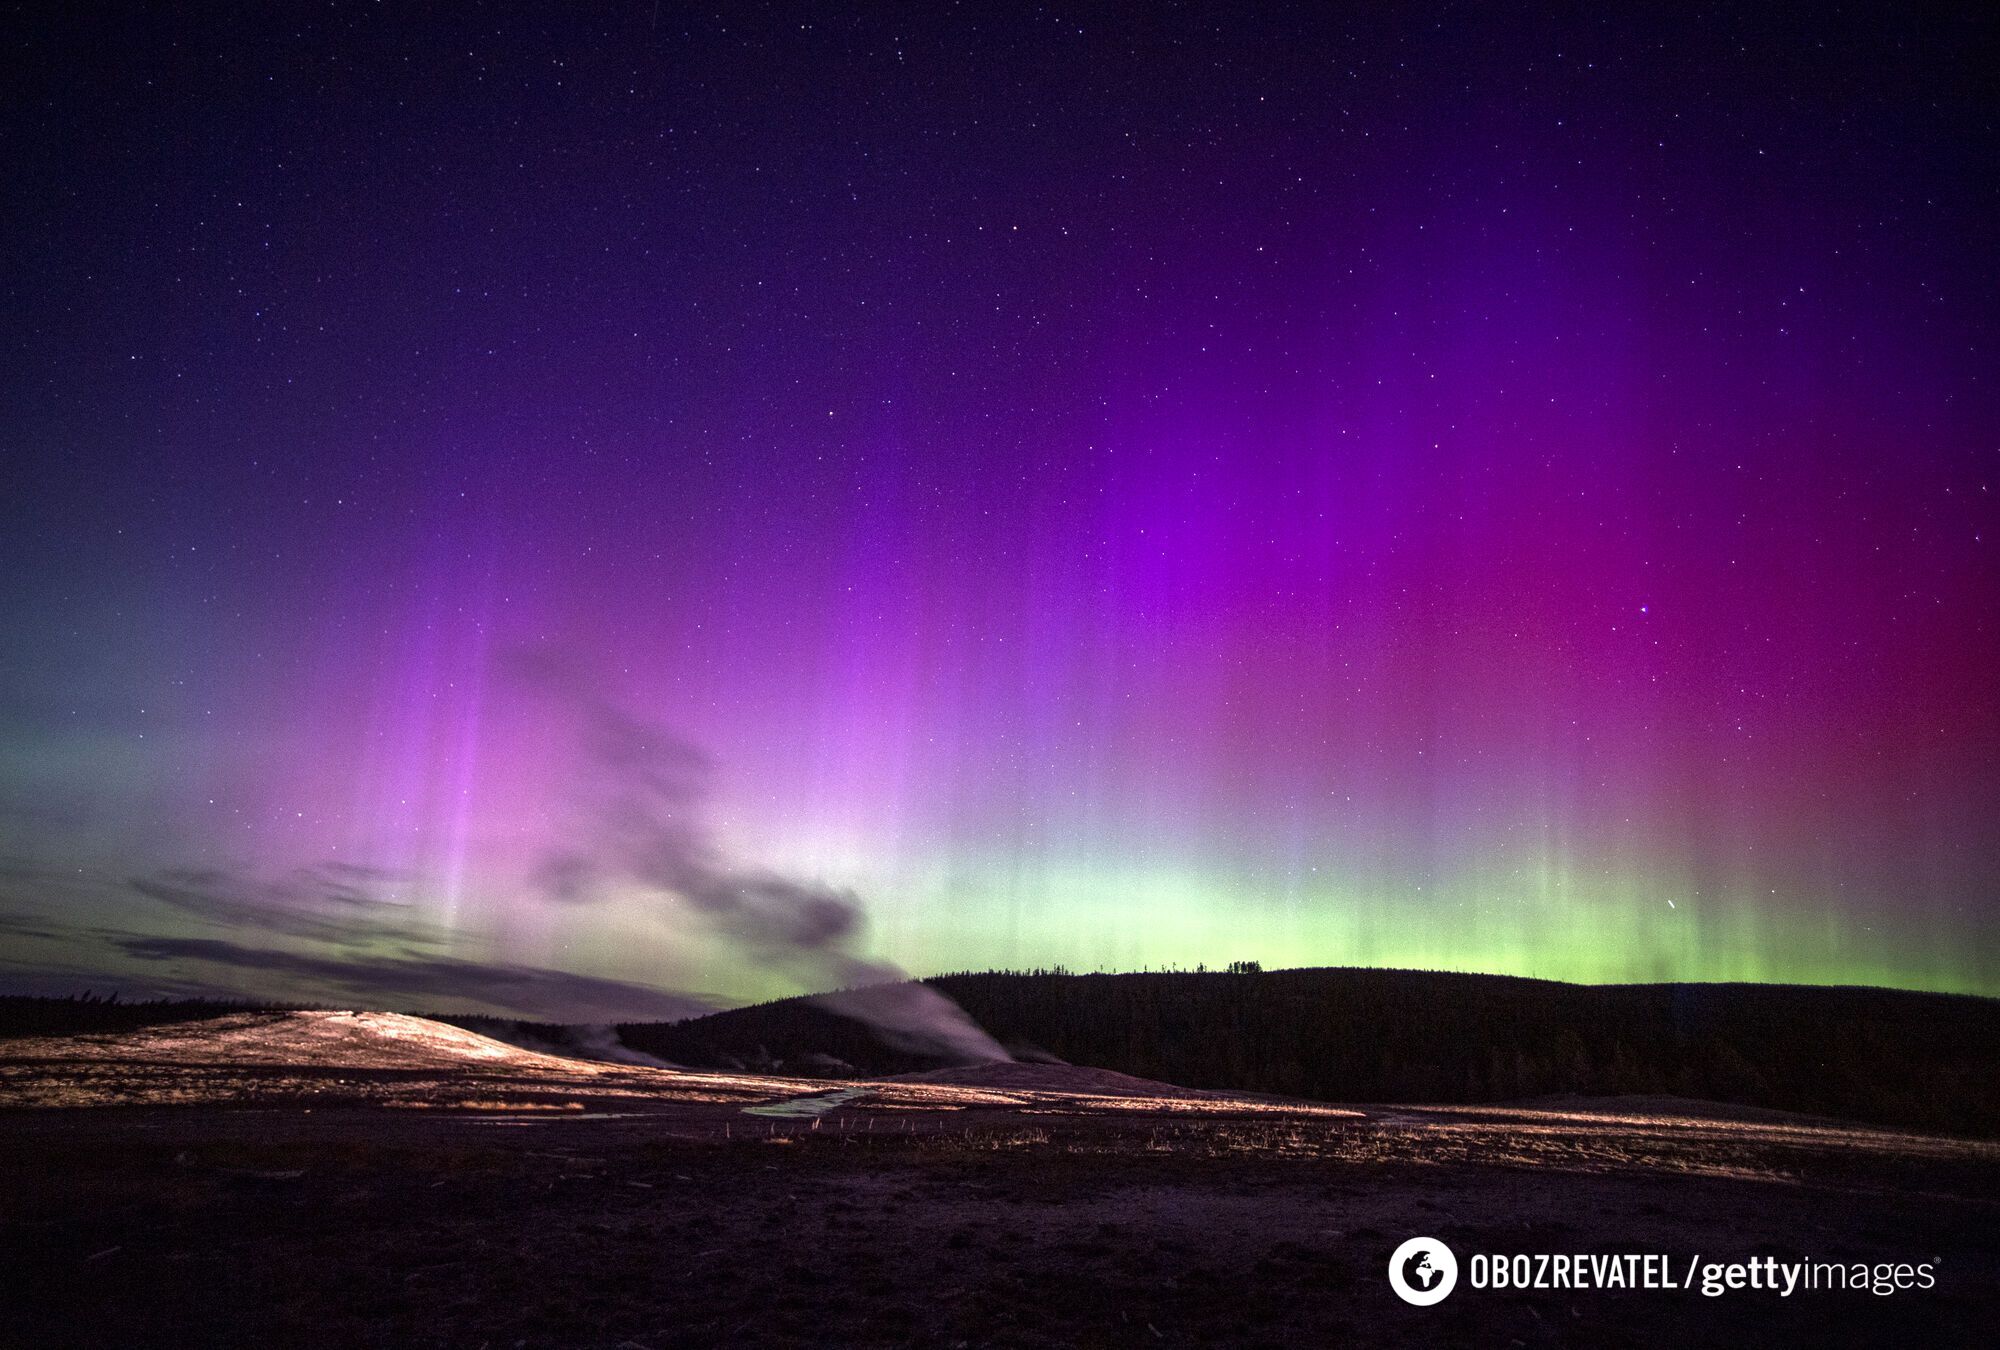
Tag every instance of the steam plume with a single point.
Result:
(645, 825)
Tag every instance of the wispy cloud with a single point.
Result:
(32, 926)
(332, 902)
(418, 982)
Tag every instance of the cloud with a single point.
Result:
(526, 991)
(17, 924)
(42, 979)
(333, 902)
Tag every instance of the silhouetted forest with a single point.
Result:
(1888, 1056)
(84, 1014)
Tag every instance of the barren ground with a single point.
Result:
(374, 1183)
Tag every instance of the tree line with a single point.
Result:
(1891, 1056)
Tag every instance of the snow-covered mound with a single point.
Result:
(355, 1040)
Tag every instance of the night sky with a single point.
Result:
(560, 511)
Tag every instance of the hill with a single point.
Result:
(1888, 1056)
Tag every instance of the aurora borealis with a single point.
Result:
(1415, 489)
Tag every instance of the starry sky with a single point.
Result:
(578, 511)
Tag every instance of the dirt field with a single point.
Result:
(478, 1199)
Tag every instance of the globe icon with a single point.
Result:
(1419, 1271)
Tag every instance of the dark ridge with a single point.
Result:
(1885, 1056)
(88, 1013)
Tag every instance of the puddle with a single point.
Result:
(807, 1108)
